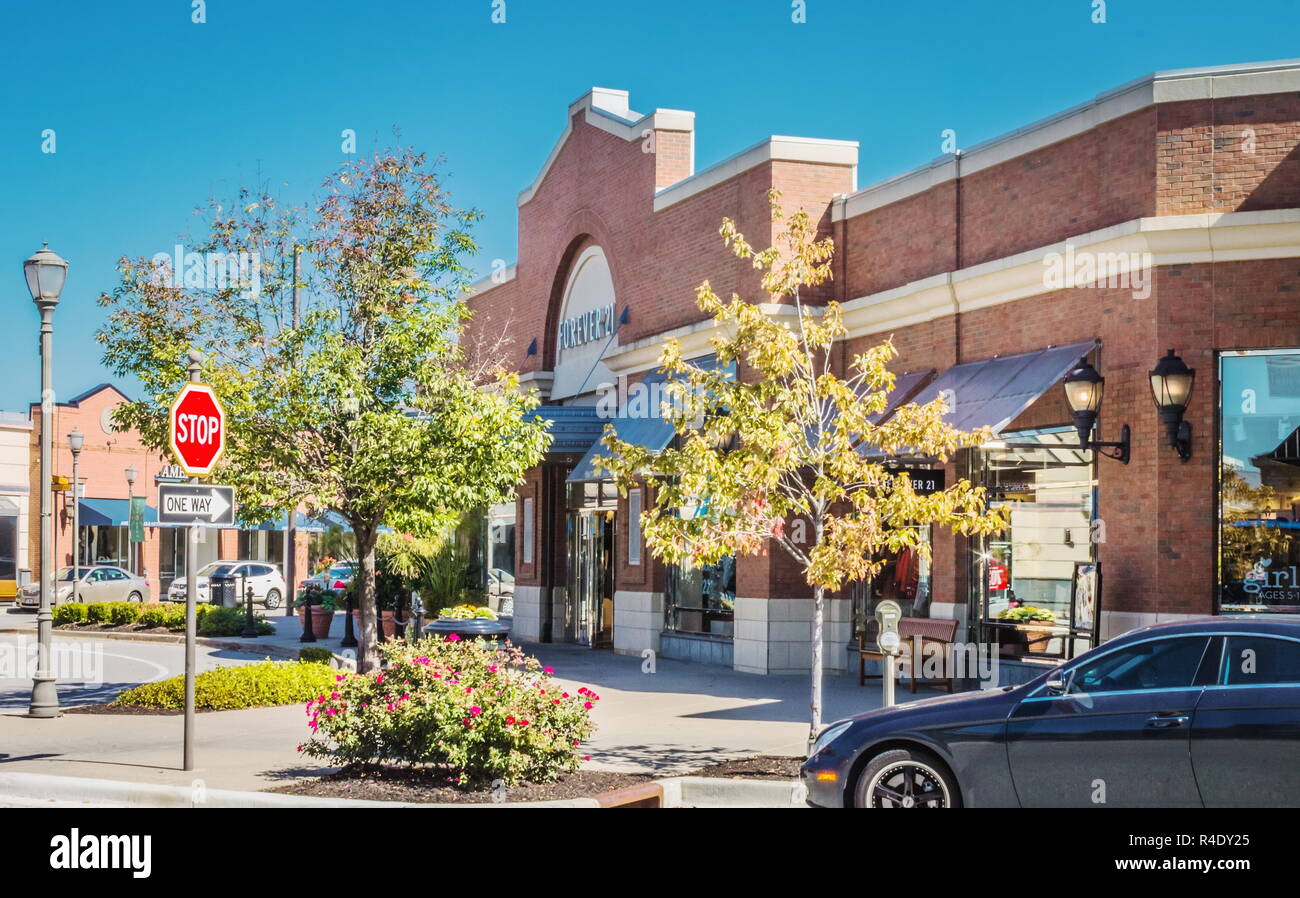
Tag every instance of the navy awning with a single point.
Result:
(110, 513)
(905, 387)
(643, 428)
(994, 392)
(573, 428)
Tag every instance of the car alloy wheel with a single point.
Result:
(273, 600)
(905, 779)
(134, 597)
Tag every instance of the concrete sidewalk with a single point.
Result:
(676, 719)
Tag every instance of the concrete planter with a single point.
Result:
(469, 628)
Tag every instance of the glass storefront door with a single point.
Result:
(589, 599)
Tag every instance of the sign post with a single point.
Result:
(197, 428)
(888, 614)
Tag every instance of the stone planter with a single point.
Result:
(468, 628)
(321, 621)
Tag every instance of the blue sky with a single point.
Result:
(153, 114)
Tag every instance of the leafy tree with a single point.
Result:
(365, 402)
(792, 452)
(1245, 538)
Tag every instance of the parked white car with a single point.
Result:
(265, 578)
(98, 583)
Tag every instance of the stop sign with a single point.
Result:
(198, 429)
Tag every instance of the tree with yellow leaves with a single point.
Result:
(790, 438)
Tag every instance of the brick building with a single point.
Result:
(1162, 214)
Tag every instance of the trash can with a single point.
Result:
(221, 592)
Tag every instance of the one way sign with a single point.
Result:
(184, 505)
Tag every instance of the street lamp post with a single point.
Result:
(131, 473)
(76, 440)
(46, 273)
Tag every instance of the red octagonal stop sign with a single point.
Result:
(198, 429)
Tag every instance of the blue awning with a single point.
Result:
(110, 513)
(325, 521)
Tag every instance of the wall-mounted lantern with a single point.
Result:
(1083, 390)
(1171, 387)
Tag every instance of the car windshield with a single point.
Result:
(66, 573)
(342, 570)
(215, 569)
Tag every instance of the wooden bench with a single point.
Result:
(940, 631)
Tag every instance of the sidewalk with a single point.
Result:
(674, 720)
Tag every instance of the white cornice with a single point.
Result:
(483, 285)
(776, 148)
(695, 339)
(1170, 240)
(608, 110)
(1249, 79)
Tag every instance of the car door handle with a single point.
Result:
(1166, 721)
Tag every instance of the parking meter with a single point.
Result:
(888, 614)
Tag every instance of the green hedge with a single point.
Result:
(70, 613)
(259, 685)
(214, 620)
(316, 654)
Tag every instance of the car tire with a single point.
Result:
(904, 777)
(135, 597)
(272, 599)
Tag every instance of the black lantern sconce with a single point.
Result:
(1171, 387)
(1083, 390)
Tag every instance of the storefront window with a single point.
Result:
(262, 545)
(1033, 583)
(106, 545)
(905, 578)
(702, 599)
(1259, 482)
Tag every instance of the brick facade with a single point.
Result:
(1200, 169)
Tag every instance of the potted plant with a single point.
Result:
(1025, 638)
(323, 602)
(389, 588)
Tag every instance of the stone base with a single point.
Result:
(774, 636)
(638, 621)
(526, 625)
(699, 649)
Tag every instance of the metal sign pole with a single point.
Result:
(191, 602)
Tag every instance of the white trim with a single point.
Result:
(484, 284)
(1171, 240)
(695, 339)
(771, 149)
(1248, 79)
(607, 109)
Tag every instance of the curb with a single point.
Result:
(45, 790)
(39, 789)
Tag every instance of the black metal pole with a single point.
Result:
(250, 628)
(349, 640)
(308, 633)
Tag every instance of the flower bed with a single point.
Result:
(481, 712)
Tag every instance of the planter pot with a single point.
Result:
(470, 628)
(321, 621)
(385, 619)
(1037, 641)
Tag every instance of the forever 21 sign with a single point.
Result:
(588, 326)
(925, 481)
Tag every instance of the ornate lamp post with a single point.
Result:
(46, 273)
(76, 440)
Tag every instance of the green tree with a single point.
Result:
(790, 451)
(365, 403)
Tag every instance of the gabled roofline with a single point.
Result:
(75, 401)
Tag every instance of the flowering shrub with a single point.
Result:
(465, 612)
(480, 710)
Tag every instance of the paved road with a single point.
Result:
(91, 671)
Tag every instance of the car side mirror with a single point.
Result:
(1057, 684)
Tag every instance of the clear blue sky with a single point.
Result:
(153, 114)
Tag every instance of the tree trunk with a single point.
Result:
(368, 657)
(819, 613)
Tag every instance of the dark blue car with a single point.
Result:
(1200, 713)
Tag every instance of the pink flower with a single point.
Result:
(379, 678)
(588, 705)
(334, 695)
(549, 670)
(452, 637)
(475, 711)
